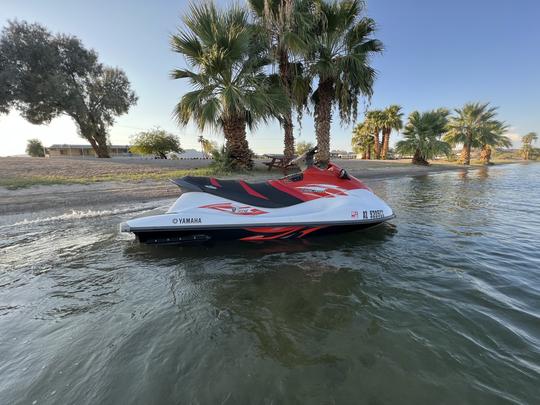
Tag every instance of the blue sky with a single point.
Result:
(436, 54)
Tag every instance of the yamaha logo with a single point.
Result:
(187, 220)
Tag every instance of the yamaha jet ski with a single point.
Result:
(313, 201)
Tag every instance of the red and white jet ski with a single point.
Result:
(314, 201)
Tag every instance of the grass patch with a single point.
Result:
(29, 181)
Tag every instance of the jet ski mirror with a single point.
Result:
(344, 175)
(305, 160)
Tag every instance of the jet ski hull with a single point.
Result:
(201, 217)
(174, 236)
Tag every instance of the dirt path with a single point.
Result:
(16, 167)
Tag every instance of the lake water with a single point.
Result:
(440, 306)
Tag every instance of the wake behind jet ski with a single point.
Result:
(311, 202)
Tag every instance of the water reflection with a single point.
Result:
(483, 172)
(421, 193)
(284, 296)
(292, 309)
(463, 175)
(474, 173)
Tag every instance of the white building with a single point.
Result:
(187, 154)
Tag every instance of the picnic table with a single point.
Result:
(280, 162)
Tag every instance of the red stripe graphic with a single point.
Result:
(309, 230)
(280, 232)
(236, 210)
(249, 190)
(272, 233)
(290, 190)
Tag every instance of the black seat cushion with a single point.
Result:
(257, 194)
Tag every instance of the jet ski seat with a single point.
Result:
(262, 194)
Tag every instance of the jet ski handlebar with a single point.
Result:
(306, 159)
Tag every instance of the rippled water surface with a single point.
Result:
(441, 306)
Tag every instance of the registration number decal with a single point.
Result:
(372, 214)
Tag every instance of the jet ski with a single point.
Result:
(314, 201)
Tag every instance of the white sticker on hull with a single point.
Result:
(235, 209)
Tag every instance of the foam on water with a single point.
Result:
(83, 214)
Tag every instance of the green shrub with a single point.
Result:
(222, 162)
(157, 142)
(35, 148)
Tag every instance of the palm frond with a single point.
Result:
(475, 123)
(228, 55)
(187, 45)
(423, 134)
(341, 51)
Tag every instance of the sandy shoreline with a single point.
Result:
(94, 195)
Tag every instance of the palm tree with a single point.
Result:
(375, 121)
(467, 125)
(491, 136)
(527, 147)
(227, 56)
(339, 57)
(362, 140)
(422, 136)
(207, 146)
(286, 24)
(391, 121)
(202, 140)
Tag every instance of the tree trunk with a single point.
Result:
(101, 139)
(418, 159)
(376, 144)
(101, 149)
(203, 150)
(97, 139)
(93, 134)
(285, 76)
(465, 157)
(237, 146)
(288, 151)
(323, 119)
(386, 140)
(485, 154)
(368, 153)
(364, 155)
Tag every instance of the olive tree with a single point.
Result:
(157, 142)
(45, 75)
(302, 147)
(35, 148)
